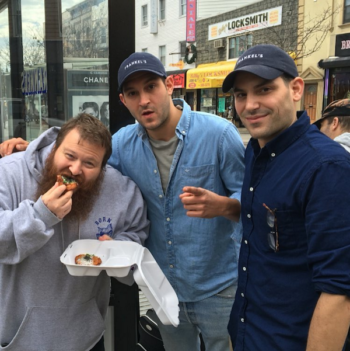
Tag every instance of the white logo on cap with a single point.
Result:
(135, 63)
(247, 57)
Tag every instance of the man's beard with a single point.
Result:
(83, 198)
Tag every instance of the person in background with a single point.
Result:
(335, 123)
(294, 283)
(189, 167)
(104, 113)
(42, 306)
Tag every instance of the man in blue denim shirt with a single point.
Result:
(294, 269)
(189, 167)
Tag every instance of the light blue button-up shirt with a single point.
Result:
(197, 255)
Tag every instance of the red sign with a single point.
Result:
(191, 20)
(179, 80)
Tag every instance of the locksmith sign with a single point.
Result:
(247, 23)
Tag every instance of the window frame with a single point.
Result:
(345, 14)
(144, 15)
(162, 55)
(183, 4)
(162, 10)
(248, 38)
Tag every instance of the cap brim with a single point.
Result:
(260, 71)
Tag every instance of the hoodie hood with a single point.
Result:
(37, 152)
(344, 141)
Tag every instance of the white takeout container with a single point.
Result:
(128, 262)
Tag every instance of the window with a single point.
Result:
(162, 54)
(183, 46)
(346, 18)
(161, 10)
(238, 45)
(144, 50)
(182, 7)
(144, 17)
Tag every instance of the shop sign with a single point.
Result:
(255, 21)
(342, 45)
(191, 10)
(34, 81)
(179, 64)
(179, 80)
(88, 79)
(154, 17)
(208, 78)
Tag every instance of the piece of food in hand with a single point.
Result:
(87, 260)
(70, 183)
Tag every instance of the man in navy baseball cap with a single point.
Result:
(265, 61)
(294, 255)
(138, 62)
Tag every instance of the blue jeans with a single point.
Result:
(209, 317)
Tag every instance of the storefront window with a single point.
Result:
(339, 86)
(208, 100)
(52, 70)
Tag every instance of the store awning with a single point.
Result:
(209, 75)
(334, 62)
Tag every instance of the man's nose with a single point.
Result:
(144, 99)
(251, 102)
(75, 168)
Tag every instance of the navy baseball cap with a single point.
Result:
(139, 62)
(337, 108)
(266, 61)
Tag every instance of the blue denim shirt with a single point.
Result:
(304, 176)
(198, 256)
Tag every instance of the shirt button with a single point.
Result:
(169, 242)
(244, 268)
(248, 215)
(171, 266)
(160, 196)
(183, 132)
(273, 154)
(168, 219)
(246, 242)
(242, 320)
(251, 188)
(155, 171)
(242, 294)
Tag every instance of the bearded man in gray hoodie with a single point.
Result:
(42, 307)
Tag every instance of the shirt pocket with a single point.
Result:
(290, 228)
(198, 176)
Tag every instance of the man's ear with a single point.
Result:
(297, 85)
(335, 123)
(169, 84)
(121, 97)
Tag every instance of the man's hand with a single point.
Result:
(58, 201)
(13, 145)
(104, 237)
(203, 203)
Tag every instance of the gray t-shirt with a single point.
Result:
(164, 152)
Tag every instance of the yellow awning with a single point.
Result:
(209, 75)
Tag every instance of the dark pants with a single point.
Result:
(100, 346)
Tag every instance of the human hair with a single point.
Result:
(286, 78)
(344, 122)
(91, 130)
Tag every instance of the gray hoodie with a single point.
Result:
(42, 307)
